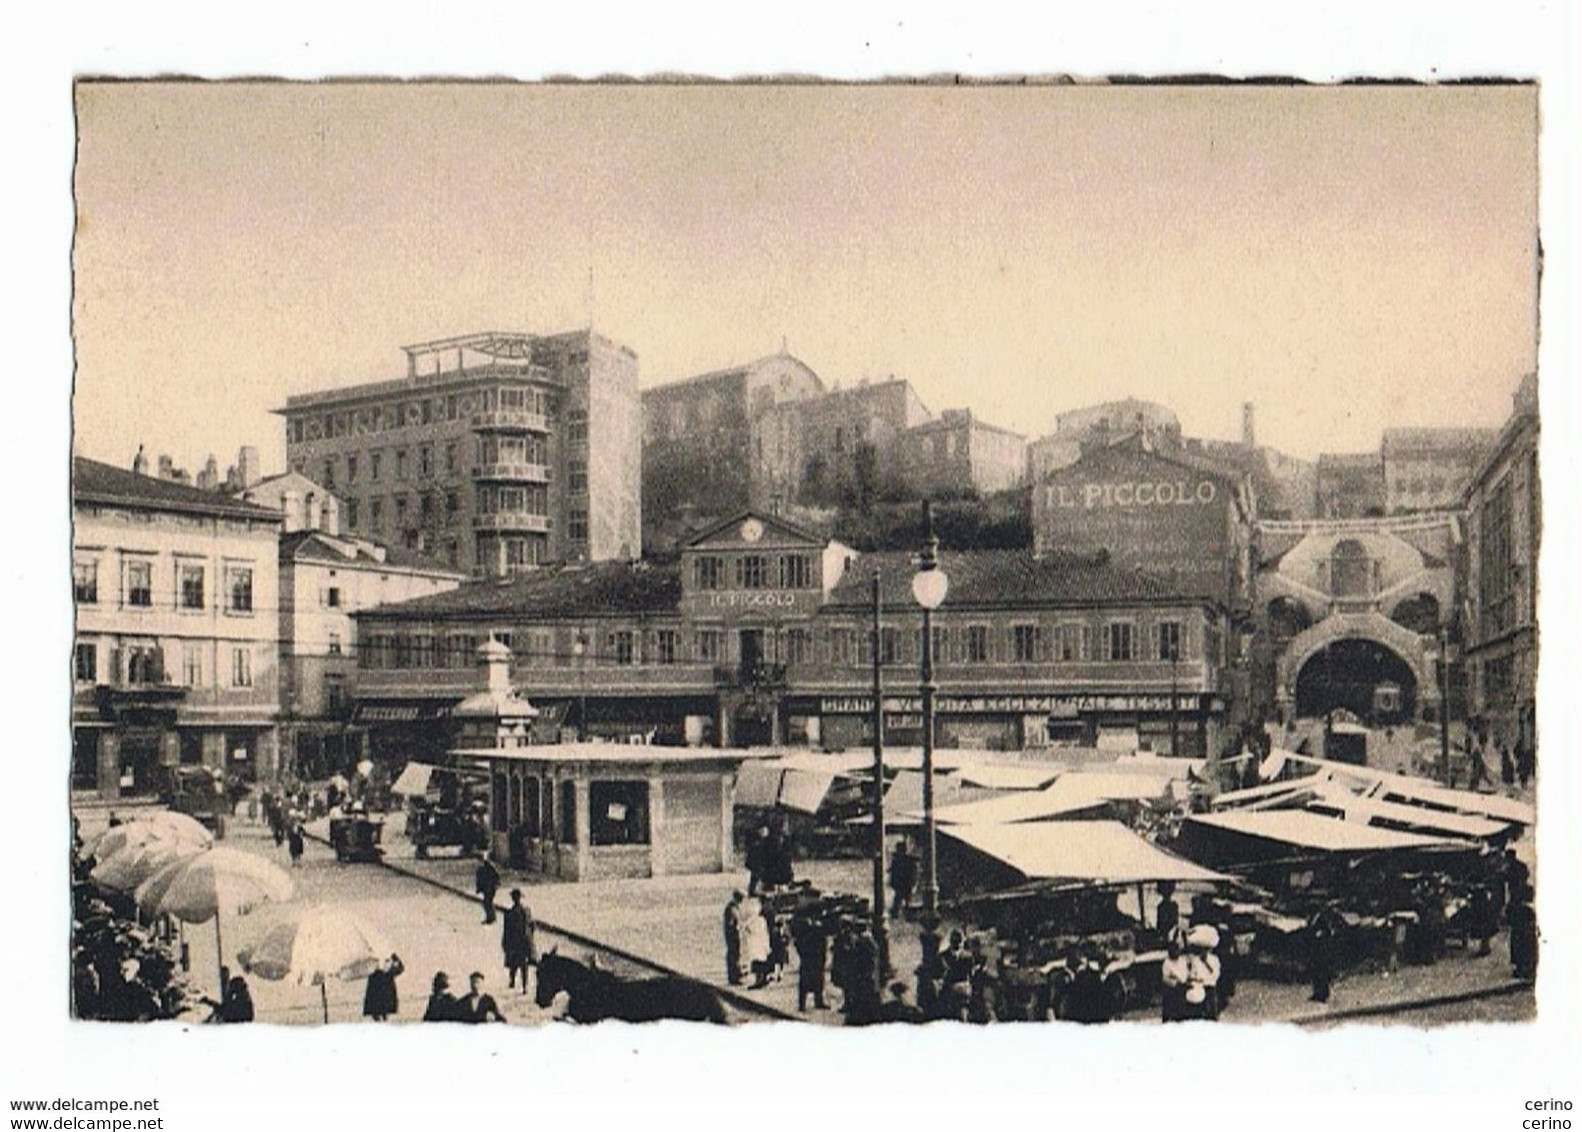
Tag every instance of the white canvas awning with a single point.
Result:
(758, 785)
(1307, 830)
(805, 790)
(1069, 794)
(1422, 792)
(998, 776)
(413, 780)
(1087, 852)
(1418, 819)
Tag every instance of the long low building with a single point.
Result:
(761, 633)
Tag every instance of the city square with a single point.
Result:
(847, 685)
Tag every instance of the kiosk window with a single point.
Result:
(618, 813)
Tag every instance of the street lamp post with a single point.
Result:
(1444, 705)
(929, 586)
(881, 931)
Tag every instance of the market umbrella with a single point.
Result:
(314, 945)
(162, 824)
(213, 883)
(131, 866)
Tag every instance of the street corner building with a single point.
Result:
(177, 626)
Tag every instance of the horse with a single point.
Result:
(594, 995)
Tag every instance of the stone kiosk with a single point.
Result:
(592, 811)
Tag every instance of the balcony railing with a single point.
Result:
(511, 420)
(512, 521)
(518, 470)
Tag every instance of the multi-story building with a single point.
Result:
(177, 603)
(1503, 524)
(326, 576)
(761, 633)
(1349, 485)
(848, 441)
(1427, 469)
(497, 451)
(961, 455)
(713, 445)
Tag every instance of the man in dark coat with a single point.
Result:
(477, 1006)
(862, 996)
(486, 882)
(442, 1005)
(903, 878)
(732, 924)
(812, 949)
(296, 843)
(516, 940)
(1524, 936)
(757, 861)
(380, 1000)
(1323, 944)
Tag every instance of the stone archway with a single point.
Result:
(1360, 676)
(1407, 646)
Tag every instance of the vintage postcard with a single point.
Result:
(828, 554)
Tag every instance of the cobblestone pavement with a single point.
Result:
(674, 923)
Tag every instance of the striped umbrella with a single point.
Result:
(314, 945)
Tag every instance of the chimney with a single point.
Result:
(1248, 436)
(312, 513)
(247, 466)
(167, 468)
(140, 463)
(291, 505)
(495, 659)
(209, 478)
(331, 515)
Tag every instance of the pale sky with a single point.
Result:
(1345, 258)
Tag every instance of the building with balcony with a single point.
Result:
(177, 618)
(496, 452)
(760, 633)
(1504, 522)
(326, 576)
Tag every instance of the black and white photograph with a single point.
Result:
(797, 579)
(974, 552)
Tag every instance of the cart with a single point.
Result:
(356, 837)
(431, 828)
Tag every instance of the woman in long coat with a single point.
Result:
(380, 1000)
(755, 941)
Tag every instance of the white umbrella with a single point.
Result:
(315, 945)
(160, 824)
(213, 883)
(125, 870)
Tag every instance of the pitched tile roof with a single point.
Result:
(315, 546)
(96, 482)
(1008, 578)
(556, 591)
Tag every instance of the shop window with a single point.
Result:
(531, 807)
(618, 813)
(568, 812)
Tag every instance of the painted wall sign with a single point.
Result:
(1146, 493)
(1062, 706)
